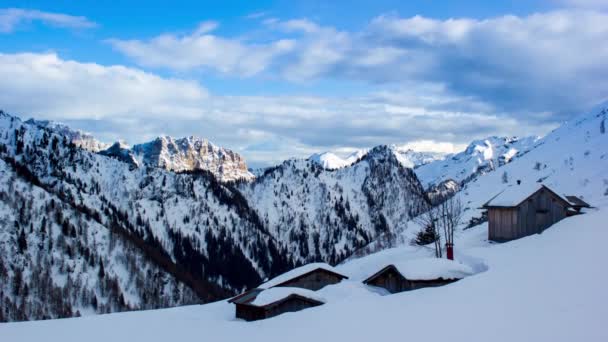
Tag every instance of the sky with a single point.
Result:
(279, 79)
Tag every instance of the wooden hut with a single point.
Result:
(311, 277)
(273, 302)
(418, 273)
(522, 210)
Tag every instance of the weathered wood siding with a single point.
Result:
(533, 216)
(391, 280)
(313, 281)
(502, 223)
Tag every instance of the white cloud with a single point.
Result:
(201, 49)
(119, 102)
(45, 85)
(554, 62)
(433, 146)
(11, 18)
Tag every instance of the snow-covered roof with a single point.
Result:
(278, 293)
(515, 194)
(299, 271)
(430, 269)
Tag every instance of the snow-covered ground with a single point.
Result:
(547, 287)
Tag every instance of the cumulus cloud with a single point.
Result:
(11, 18)
(202, 49)
(119, 102)
(554, 62)
(46, 85)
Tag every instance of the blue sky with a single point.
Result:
(276, 79)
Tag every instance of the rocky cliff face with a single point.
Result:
(191, 154)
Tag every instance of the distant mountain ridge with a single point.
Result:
(480, 156)
(407, 157)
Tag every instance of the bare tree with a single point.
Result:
(450, 214)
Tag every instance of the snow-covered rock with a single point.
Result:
(77, 137)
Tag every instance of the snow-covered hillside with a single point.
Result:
(79, 138)
(219, 238)
(546, 287)
(572, 160)
(481, 156)
(334, 212)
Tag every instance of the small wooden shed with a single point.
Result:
(522, 210)
(273, 302)
(417, 274)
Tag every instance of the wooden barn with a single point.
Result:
(521, 210)
(273, 302)
(311, 277)
(417, 274)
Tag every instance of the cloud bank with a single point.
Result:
(119, 102)
(533, 65)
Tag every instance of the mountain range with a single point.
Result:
(90, 228)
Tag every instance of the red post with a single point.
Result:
(449, 248)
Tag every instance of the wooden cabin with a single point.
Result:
(273, 302)
(417, 274)
(311, 277)
(520, 211)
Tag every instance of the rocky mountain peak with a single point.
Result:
(193, 153)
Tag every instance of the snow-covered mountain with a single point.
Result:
(407, 158)
(197, 235)
(207, 237)
(77, 137)
(334, 212)
(481, 156)
(414, 159)
(331, 161)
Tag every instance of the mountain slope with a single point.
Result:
(336, 212)
(539, 279)
(573, 160)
